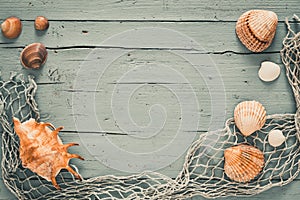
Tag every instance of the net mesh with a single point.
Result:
(202, 172)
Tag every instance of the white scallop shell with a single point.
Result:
(269, 71)
(276, 138)
(249, 116)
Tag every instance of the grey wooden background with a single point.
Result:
(77, 27)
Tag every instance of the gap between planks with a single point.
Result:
(146, 20)
(148, 49)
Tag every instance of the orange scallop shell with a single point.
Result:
(11, 27)
(243, 162)
(256, 29)
(42, 151)
(249, 116)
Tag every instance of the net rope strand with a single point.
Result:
(202, 172)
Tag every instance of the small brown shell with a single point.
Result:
(11, 27)
(249, 116)
(42, 151)
(41, 23)
(256, 29)
(243, 162)
(34, 56)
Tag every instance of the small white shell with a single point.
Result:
(276, 138)
(269, 71)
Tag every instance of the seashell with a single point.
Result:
(276, 138)
(249, 116)
(243, 162)
(34, 56)
(269, 71)
(42, 151)
(11, 27)
(41, 23)
(256, 29)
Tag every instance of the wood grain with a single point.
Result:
(213, 37)
(212, 10)
(239, 74)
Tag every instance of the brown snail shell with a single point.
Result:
(34, 56)
(41, 23)
(11, 27)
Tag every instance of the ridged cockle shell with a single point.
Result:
(243, 162)
(42, 151)
(256, 29)
(249, 116)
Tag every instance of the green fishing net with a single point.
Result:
(202, 172)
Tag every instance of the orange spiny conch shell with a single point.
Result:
(42, 151)
(34, 56)
(249, 116)
(11, 27)
(41, 23)
(243, 162)
(256, 29)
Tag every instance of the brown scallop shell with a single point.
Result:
(256, 29)
(41, 23)
(34, 56)
(243, 162)
(42, 151)
(249, 116)
(11, 27)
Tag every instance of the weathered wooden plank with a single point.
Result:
(92, 167)
(239, 74)
(212, 37)
(143, 9)
(5, 194)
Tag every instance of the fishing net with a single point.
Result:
(202, 172)
(290, 55)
